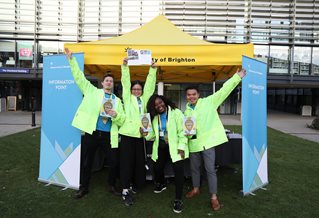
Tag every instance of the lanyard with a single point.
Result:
(160, 122)
(140, 105)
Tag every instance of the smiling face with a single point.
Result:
(107, 83)
(192, 96)
(160, 106)
(137, 90)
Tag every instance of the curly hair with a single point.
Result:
(151, 104)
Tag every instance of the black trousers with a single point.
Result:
(178, 167)
(89, 146)
(132, 162)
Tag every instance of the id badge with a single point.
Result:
(161, 134)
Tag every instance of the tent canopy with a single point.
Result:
(179, 56)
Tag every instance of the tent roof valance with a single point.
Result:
(180, 56)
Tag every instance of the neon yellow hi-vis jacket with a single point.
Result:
(176, 138)
(132, 124)
(88, 112)
(210, 131)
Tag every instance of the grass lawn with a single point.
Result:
(292, 190)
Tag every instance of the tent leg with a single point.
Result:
(160, 88)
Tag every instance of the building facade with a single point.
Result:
(285, 34)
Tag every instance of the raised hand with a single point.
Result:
(153, 65)
(241, 73)
(68, 53)
(125, 61)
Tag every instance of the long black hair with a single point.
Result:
(151, 104)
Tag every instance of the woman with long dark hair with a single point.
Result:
(170, 144)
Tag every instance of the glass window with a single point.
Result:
(278, 60)
(315, 61)
(261, 52)
(302, 58)
(25, 53)
(7, 54)
(49, 48)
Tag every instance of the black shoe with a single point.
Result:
(127, 199)
(178, 206)
(80, 193)
(159, 188)
(114, 191)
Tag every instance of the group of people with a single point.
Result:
(122, 121)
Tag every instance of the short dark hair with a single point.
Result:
(192, 87)
(136, 82)
(108, 75)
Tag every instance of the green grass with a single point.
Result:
(292, 190)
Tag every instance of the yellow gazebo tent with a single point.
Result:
(180, 56)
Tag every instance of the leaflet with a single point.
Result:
(139, 57)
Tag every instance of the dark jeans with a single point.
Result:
(132, 162)
(89, 146)
(178, 167)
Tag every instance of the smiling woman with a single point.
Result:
(170, 145)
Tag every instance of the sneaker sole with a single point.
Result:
(157, 192)
(126, 204)
(177, 211)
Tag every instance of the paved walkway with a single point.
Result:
(292, 124)
(16, 121)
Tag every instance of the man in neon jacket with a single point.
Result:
(132, 160)
(99, 131)
(210, 132)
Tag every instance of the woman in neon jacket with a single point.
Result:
(210, 132)
(99, 131)
(170, 144)
(132, 160)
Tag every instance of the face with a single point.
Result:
(137, 90)
(160, 106)
(107, 83)
(192, 96)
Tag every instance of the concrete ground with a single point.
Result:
(17, 121)
(292, 124)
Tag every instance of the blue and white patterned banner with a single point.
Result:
(254, 121)
(60, 142)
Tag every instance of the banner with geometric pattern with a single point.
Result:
(60, 141)
(254, 124)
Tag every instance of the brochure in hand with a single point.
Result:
(106, 104)
(146, 122)
(189, 125)
(139, 57)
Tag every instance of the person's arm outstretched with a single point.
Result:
(79, 77)
(219, 97)
(150, 83)
(126, 81)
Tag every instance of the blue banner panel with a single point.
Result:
(60, 141)
(254, 124)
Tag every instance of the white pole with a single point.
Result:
(160, 88)
(214, 87)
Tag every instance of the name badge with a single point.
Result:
(161, 133)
